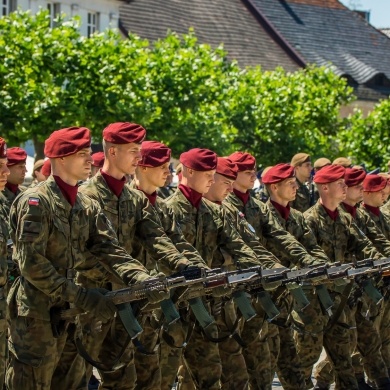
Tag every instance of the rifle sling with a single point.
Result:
(344, 299)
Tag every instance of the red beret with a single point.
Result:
(244, 161)
(329, 174)
(15, 156)
(199, 159)
(98, 159)
(374, 183)
(154, 154)
(46, 168)
(68, 141)
(124, 133)
(354, 176)
(278, 173)
(3, 148)
(227, 168)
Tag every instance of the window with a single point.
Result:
(7, 6)
(92, 23)
(54, 10)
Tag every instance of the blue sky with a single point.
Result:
(380, 10)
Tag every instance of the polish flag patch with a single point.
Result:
(33, 201)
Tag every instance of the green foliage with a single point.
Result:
(367, 139)
(184, 93)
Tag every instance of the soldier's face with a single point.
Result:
(200, 181)
(17, 173)
(157, 176)
(375, 199)
(338, 190)
(287, 189)
(221, 188)
(355, 193)
(303, 171)
(246, 179)
(126, 157)
(4, 172)
(78, 166)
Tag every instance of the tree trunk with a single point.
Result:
(39, 147)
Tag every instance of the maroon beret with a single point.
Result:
(98, 159)
(68, 141)
(244, 161)
(374, 183)
(154, 154)
(15, 156)
(3, 148)
(278, 173)
(227, 168)
(199, 159)
(354, 176)
(329, 174)
(46, 168)
(124, 133)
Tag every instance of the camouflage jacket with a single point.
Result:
(297, 227)
(50, 238)
(165, 192)
(10, 197)
(4, 235)
(382, 222)
(136, 224)
(276, 239)
(366, 224)
(340, 239)
(209, 230)
(302, 200)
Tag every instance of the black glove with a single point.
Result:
(93, 300)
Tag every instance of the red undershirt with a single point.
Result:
(152, 197)
(283, 211)
(332, 214)
(115, 185)
(350, 209)
(69, 192)
(194, 197)
(243, 196)
(375, 210)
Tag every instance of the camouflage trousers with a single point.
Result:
(311, 334)
(382, 323)
(284, 358)
(365, 349)
(3, 338)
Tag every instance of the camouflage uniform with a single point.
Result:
(137, 226)
(165, 192)
(302, 200)
(262, 194)
(51, 238)
(338, 239)
(288, 365)
(4, 232)
(10, 197)
(208, 230)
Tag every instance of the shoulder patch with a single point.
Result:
(33, 201)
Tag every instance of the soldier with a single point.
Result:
(339, 237)
(302, 164)
(282, 186)
(343, 162)
(166, 190)
(320, 163)
(17, 166)
(4, 231)
(46, 169)
(138, 228)
(208, 229)
(368, 339)
(261, 192)
(97, 162)
(55, 231)
(36, 174)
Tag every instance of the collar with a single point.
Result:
(69, 192)
(350, 209)
(332, 214)
(374, 210)
(115, 185)
(194, 197)
(152, 197)
(14, 188)
(283, 211)
(243, 196)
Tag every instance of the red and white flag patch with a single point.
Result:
(33, 201)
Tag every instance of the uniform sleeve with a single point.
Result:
(379, 241)
(31, 225)
(281, 243)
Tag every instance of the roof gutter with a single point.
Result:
(271, 30)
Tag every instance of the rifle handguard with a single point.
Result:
(243, 303)
(200, 312)
(372, 292)
(267, 304)
(170, 312)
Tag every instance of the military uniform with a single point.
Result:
(10, 197)
(302, 200)
(337, 238)
(165, 192)
(51, 238)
